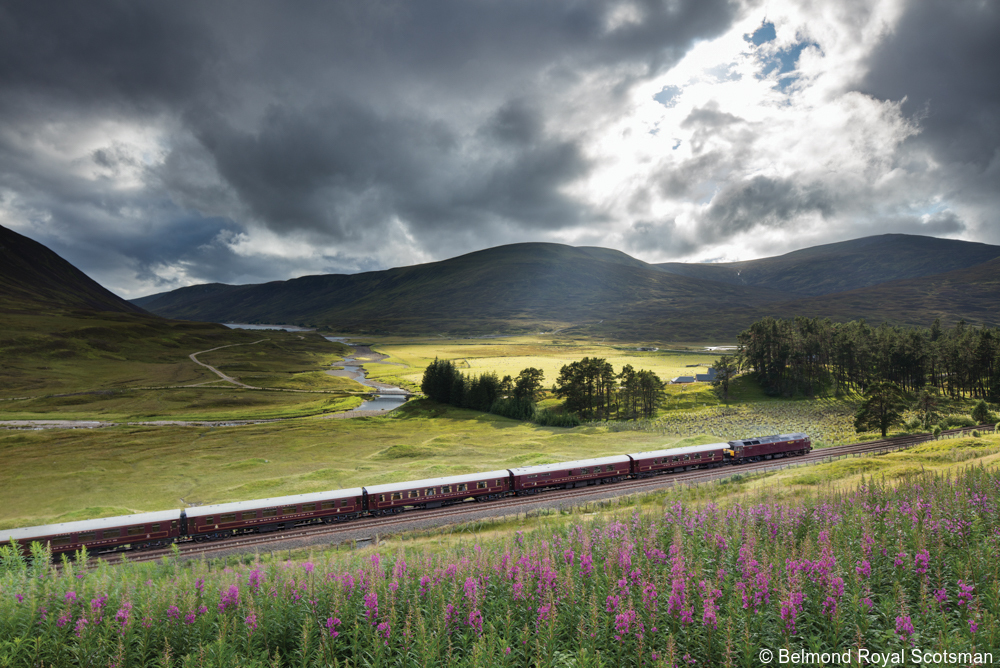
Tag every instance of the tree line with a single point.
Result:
(812, 355)
(590, 388)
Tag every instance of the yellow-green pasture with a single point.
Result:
(59, 475)
(509, 355)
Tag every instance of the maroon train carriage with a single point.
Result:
(768, 447)
(654, 462)
(436, 492)
(534, 479)
(223, 520)
(108, 534)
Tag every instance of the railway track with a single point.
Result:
(515, 505)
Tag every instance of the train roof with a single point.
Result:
(771, 439)
(541, 468)
(433, 482)
(236, 506)
(673, 452)
(30, 533)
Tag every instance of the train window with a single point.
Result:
(209, 520)
(345, 503)
(429, 492)
(173, 524)
(397, 496)
(499, 482)
(481, 485)
(570, 472)
(289, 510)
(531, 477)
(62, 540)
(135, 531)
(698, 456)
(544, 475)
(84, 537)
(412, 494)
(609, 468)
(463, 487)
(270, 512)
(227, 518)
(308, 507)
(111, 533)
(327, 505)
(250, 516)
(154, 528)
(446, 489)
(584, 471)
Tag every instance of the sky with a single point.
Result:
(159, 145)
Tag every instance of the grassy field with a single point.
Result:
(58, 475)
(119, 367)
(509, 355)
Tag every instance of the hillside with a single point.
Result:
(508, 288)
(604, 292)
(34, 277)
(848, 265)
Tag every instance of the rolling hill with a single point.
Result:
(532, 286)
(508, 288)
(848, 265)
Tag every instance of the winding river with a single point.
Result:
(389, 396)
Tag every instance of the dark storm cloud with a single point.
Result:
(942, 58)
(337, 121)
(763, 201)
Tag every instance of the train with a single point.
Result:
(225, 520)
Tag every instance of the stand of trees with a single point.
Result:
(594, 391)
(807, 356)
(591, 388)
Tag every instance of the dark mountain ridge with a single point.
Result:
(531, 286)
(32, 276)
(847, 265)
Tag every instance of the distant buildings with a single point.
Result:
(697, 378)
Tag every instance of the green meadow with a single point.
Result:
(59, 475)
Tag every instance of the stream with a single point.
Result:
(389, 396)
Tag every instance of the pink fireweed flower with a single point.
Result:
(124, 614)
(64, 620)
(544, 615)
(399, 568)
(331, 626)
(586, 564)
(790, 610)
(904, 627)
(900, 560)
(173, 612)
(941, 596)
(81, 626)
(189, 618)
(71, 596)
(568, 556)
(229, 598)
(973, 626)
(19, 597)
(867, 603)
(476, 621)
(471, 588)
(964, 593)
(625, 622)
(202, 610)
(199, 584)
(830, 606)
(864, 568)
(611, 604)
(920, 561)
(256, 577)
(308, 566)
(384, 630)
(371, 606)
(251, 622)
(376, 559)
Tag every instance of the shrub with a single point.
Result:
(550, 418)
(937, 431)
(975, 433)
